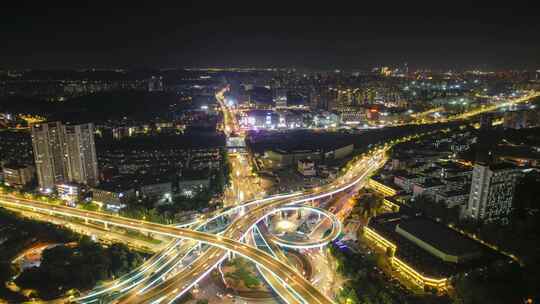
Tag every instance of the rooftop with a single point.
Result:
(439, 236)
(458, 192)
(408, 175)
(116, 185)
(502, 166)
(128, 182)
(421, 260)
(453, 167)
(430, 182)
(299, 140)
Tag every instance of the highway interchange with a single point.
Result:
(221, 244)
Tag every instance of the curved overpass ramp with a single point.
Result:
(289, 275)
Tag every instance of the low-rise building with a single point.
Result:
(406, 180)
(453, 169)
(428, 187)
(418, 167)
(192, 182)
(156, 189)
(400, 162)
(18, 176)
(286, 158)
(440, 241)
(282, 157)
(426, 252)
(114, 195)
(453, 198)
(384, 187)
(306, 167)
(69, 192)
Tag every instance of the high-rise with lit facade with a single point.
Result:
(80, 152)
(47, 142)
(64, 153)
(492, 192)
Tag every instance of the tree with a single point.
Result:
(499, 283)
(369, 204)
(65, 268)
(348, 295)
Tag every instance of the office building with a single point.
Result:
(492, 192)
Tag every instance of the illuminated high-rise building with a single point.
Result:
(64, 153)
(80, 152)
(47, 142)
(492, 186)
(492, 192)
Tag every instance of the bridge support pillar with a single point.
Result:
(86, 220)
(106, 226)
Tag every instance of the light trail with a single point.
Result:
(282, 271)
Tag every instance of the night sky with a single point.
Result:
(153, 36)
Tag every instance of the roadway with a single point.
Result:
(97, 231)
(288, 274)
